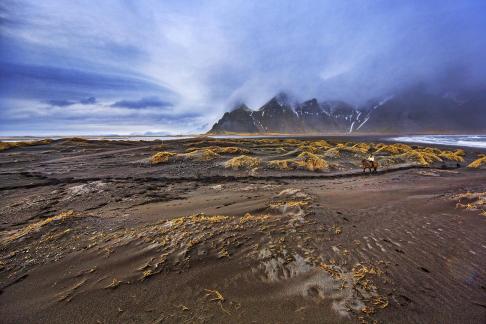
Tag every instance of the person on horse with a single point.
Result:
(369, 163)
(371, 158)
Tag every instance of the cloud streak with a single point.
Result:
(187, 58)
(143, 103)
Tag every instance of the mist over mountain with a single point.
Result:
(414, 110)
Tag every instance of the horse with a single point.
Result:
(369, 165)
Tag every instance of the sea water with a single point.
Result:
(452, 140)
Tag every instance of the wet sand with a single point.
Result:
(91, 232)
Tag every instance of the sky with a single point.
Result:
(83, 67)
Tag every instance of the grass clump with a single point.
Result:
(332, 153)
(311, 162)
(397, 148)
(243, 162)
(309, 148)
(253, 218)
(201, 155)
(475, 201)
(10, 145)
(292, 141)
(222, 150)
(322, 144)
(34, 227)
(315, 147)
(161, 157)
(453, 155)
(422, 157)
(480, 161)
(281, 164)
(360, 148)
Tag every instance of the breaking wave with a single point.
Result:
(452, 140)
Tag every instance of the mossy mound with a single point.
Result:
(422, 157)
(360, 148)
(222, 150)
(10, 145)
(311, 162)
(479, 162)
(394, 149)
(161, 157)
(242, 162)
(282, 164)
(200, 155)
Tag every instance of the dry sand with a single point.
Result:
(92, 233)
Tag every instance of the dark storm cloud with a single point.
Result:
(65, 103)
(153, 102)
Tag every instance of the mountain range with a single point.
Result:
(411, 111)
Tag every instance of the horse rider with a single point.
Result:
(371, 158)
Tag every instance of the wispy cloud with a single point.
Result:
(148, 102)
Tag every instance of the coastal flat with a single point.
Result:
(92, 231)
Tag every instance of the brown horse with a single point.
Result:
(369, 165)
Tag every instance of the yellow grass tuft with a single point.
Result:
(253, 218)
(201, 155)
(243, 162)
(452, 156)
(332, 153)
(321, 144)
(114, 284)
(360, 148)
(315, 147)
(161, 157)
(423, 157)
(309, 148)
(222, 150)
(397, 148)
(34, 227)
(281, 164)
(471, 201)
(10, 145)
(311, 162)
(480, 161)
(200, 218)
(290, 203)
(431, 150)
(292, 141)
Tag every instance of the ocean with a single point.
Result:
(478, 141)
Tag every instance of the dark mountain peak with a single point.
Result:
(309, 106)
(311, 102)
(282, 99)
(241, 106)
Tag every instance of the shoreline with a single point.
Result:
(414, 139)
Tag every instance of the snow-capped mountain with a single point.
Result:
(414, 110)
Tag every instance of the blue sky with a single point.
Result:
(106, 67)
